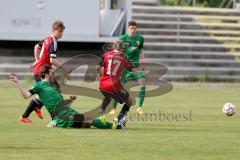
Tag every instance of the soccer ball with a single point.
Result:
(229, 109)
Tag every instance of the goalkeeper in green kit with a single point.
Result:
(62, 115)
(133, 50)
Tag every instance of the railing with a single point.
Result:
(228, 4)
(218, 4)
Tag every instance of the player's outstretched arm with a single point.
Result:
(141, 58)
(25, 94)
(70, 100)
(55, 62)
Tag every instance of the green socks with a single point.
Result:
(101, 123)
(141, 96)
(115, 103)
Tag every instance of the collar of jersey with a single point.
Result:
(53, 38)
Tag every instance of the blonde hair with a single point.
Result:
(118, 45)
(58, 25)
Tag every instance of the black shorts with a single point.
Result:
(78, 121)
(37, 78)
(121, 96)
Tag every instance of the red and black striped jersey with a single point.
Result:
(113, 63)
(48, 50)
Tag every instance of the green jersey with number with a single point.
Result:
(133, 47)
(53, 101)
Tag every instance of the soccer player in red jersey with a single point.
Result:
(45, 53)
(110, 70)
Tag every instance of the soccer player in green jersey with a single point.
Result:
(133, 50)
(62, 115)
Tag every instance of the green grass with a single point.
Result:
(208, 135)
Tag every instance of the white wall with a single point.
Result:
(32, 19)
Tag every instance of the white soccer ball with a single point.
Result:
(229, 109)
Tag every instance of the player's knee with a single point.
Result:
(142, 82)
(131, 102)
(106, 101)
(38, 102)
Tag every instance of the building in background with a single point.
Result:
(86, 21)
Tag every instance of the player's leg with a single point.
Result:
(124, 78)
(141, 80)
(103, 106)
(114, 110)
(34, 105)
(123, 97)
(102, 123)
(105, 102)
(80, 121)
(86, 121)
(126, 106)
(141, 96)
(37, 109)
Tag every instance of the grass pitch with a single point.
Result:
(194, 128)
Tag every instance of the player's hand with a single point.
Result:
(99, 69)
(142, 66)
(13, 78)
(33, 64)
(73, 98)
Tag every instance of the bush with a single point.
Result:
(199, 3)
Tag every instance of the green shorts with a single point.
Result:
(127, 75)
(61, 115)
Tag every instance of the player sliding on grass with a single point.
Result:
(110, 70)
(45, 54)
(62, 115)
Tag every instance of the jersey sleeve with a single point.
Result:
(35, 89)
(121, 38)
(53, 50)
(141, 43)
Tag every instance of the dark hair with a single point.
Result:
(45, 70)
(132, 23)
